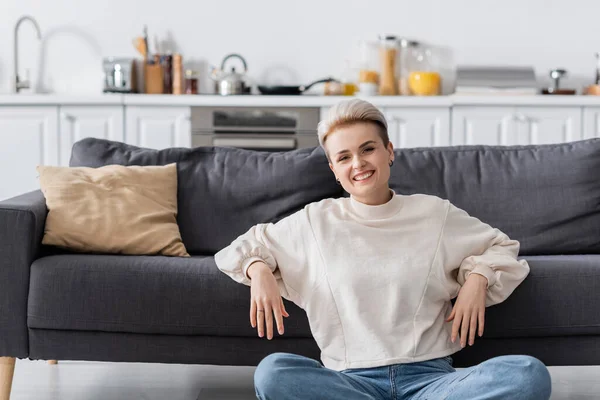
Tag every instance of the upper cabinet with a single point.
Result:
(158, 127)
(418, 127)
(515, 125)
(79, 122)
(28, 138)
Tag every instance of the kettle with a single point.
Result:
(230, 83)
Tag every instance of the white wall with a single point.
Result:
(294, 42)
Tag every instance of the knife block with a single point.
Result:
(153, 79)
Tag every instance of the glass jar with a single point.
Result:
(349, 79)
(388, 57)
(368, 75)
(191, 82)
(407, 50)
(424, 78)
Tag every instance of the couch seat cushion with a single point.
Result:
(144, 294)
(190, 296)
(559, 297)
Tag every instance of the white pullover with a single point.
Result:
(376, 281)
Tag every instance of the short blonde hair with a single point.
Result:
(349, 112)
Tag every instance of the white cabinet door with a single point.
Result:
(418, 127)
(591, 122)
(28, 138)
(483, 125)
(158, 127)
(521, 125)
(79, 122)
(544, 125)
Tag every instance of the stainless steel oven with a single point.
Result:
(255, 128)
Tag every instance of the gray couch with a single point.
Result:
(55, 304)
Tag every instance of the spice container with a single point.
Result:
(388, 54)
(191, 82)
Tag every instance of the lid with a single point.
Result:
(233, 77)
(409, 43)
(387, 37)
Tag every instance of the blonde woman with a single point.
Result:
(375, 273)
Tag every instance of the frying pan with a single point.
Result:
(290, 90)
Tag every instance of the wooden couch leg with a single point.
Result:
(7, 371)
(52, 362)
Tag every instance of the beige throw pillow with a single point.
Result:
(112, 209)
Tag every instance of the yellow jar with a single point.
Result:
(424, 83)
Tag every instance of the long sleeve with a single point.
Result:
(283, 246)
(468, 246)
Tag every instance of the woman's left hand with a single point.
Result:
(469, 309)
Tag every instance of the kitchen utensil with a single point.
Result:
(556, 75)
(230, 83)
(140, 46)
(146, 39)
(290, 90)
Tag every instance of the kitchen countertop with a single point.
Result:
(292, 101)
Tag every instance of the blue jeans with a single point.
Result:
(283, 376)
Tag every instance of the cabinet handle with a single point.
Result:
(66, 116)
(396, 119)
(519, 116)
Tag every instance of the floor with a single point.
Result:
(78, 380)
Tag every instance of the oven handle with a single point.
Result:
(283, 143)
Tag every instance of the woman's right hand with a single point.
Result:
(265, 300)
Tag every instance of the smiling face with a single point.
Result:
(360, 161)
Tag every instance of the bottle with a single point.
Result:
(177, 74)
(167, 63)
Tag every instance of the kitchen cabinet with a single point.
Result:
(515, 125)
(79, 122)
(591, 122)
(28, 138)
(158, 127)
(418, 127)
(415, 126)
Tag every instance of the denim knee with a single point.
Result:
(533, 380)
(266, 381)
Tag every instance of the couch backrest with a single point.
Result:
(545, 196)
(224, 191)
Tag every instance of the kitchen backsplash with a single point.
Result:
(293, 43)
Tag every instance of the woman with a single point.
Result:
(375, 274)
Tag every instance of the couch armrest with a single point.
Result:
(22, 221)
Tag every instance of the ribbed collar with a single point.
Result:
(381, 211)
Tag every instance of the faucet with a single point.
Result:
(25, 83)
